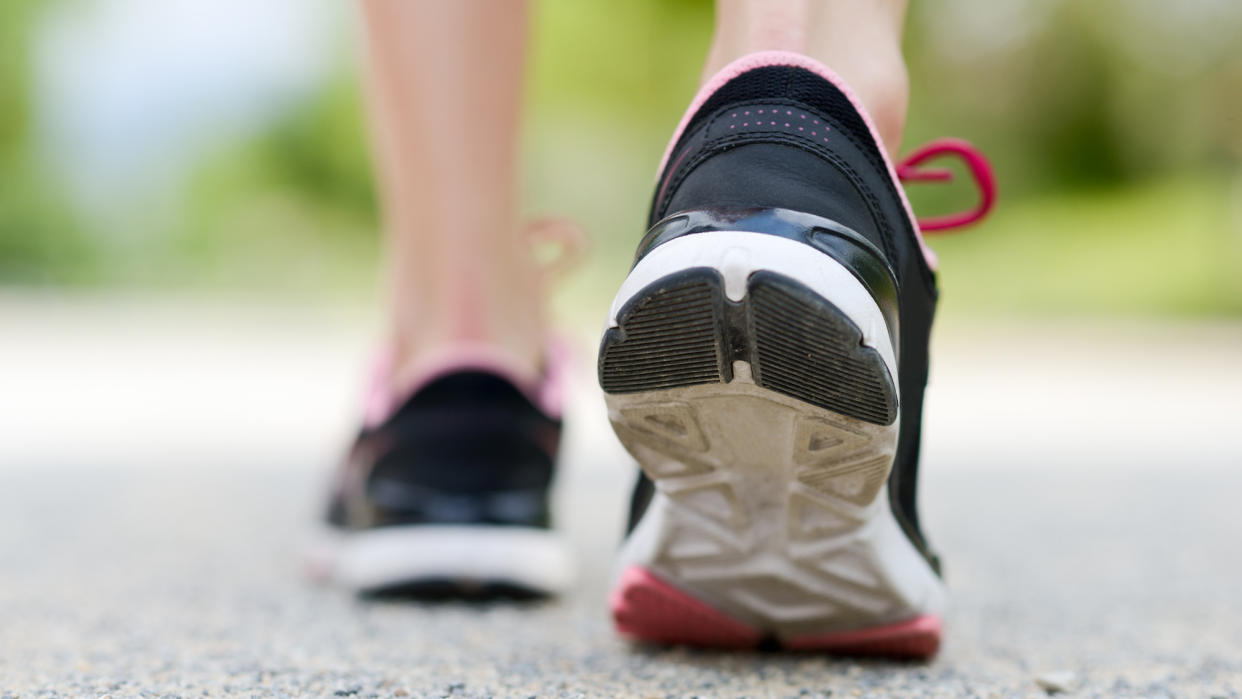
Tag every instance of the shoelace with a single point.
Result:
(980, 169)
(558, 245)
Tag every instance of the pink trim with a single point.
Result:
(645, 608)
(764, 59)
(546, 391)
(557, 364)
(379, 401)
(980, 169)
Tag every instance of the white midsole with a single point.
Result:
(738, 254)
(729, 521)
(533, 558)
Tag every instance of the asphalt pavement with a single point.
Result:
(159, 468)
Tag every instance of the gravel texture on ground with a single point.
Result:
(186, 583)
(1103, 561)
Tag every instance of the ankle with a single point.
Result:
(883, 86)
(412, 362)
(861, 42)
(489, 305)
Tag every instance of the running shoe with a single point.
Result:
(445, 491)
(764, 362)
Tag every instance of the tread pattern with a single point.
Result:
(729, 500)
(806, 348)
(668, 338)
(682, 331)
(765, 479)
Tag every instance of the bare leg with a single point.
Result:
(861, 41)
(444, 90)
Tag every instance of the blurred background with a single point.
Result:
(189, 296)
(153, 146)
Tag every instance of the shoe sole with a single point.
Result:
(754, 381)
(443, 560)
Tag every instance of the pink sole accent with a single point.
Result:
(646, 608)
(763, 59)
(918, 638)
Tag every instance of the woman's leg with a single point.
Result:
(446, 491)
(861, 41)
(444, 90)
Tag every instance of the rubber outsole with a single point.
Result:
(683, 331)
(650, 610)
(768, 421)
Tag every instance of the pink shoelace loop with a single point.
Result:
(558, 246)
(980, 169)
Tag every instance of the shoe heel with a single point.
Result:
(752, 380)
(670, 336)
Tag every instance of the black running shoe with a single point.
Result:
(764, 362)
(445, 492)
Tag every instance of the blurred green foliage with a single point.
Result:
(41, 240)
(1115, 127)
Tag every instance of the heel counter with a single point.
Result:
(854, 251)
